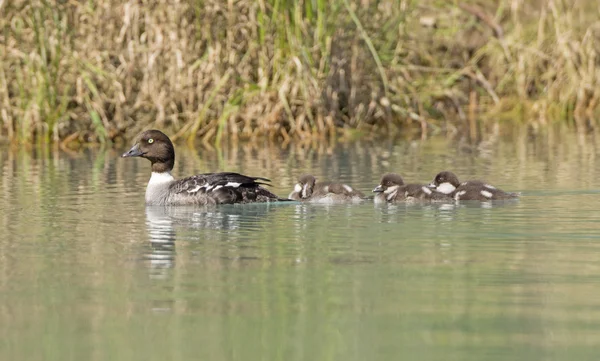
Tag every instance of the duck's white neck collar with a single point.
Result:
(160, 178)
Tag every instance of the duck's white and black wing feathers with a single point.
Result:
(223, 188)
(233, 180)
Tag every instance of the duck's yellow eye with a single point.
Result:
(150, 141)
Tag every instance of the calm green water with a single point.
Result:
(87, 272)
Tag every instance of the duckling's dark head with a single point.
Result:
(155, 146)
(389, 180)
(305, 185)
(445, 177)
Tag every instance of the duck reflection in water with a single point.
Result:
(407, 212)
(204, 235)
(161, 254)
(167, 224)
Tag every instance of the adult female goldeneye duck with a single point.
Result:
(201, 189)
(308, 190)
(392, 189)
(447, 182)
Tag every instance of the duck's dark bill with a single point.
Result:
(133, 152)
(378, 189)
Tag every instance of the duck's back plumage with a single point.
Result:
(220, 188)
(475, 190)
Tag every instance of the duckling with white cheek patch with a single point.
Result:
(308, 190)
(447, 182)
(392, 189)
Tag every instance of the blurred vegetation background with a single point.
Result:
(81, 71)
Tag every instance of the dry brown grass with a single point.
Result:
(215, 69)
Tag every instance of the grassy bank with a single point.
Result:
(214, 69)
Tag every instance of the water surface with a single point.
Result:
(87, 272)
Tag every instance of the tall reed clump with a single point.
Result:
(215, 69)
(546, 66)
